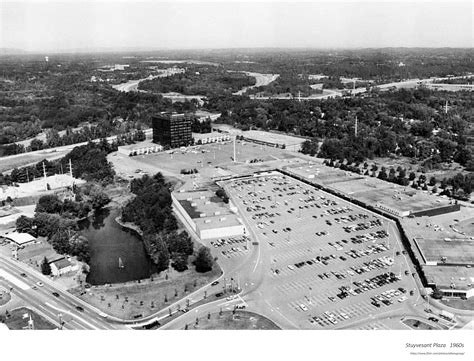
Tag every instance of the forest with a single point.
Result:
(200, 80)
(59, 95)
(410, 123)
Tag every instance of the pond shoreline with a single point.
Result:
(118, 252)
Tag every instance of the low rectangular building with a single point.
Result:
(451, 281)
(146, 147)
(206, 214)
(213, 137)
(227, 225)
(19, 239)
(62, 266)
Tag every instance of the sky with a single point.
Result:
(56, 26)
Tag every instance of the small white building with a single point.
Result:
(62, 266)
(213, 137)
(19, 239)
(145, 147)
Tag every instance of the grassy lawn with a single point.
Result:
(17, 322)
(418, 325)
(241, 320)
(5, 297)
(128, 300)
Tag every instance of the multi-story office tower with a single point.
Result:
(172, 130)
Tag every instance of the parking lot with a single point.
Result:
(229, 247)
(331, 263)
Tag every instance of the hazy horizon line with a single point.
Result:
(20, 51)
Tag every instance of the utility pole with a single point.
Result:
(355, 128)
(446, 108)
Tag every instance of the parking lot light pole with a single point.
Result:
(310, 289)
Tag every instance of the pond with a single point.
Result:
(117, 254)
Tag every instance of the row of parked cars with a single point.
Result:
(363, 226)
(362, 238)
(386, 297)
(222, 242)
(328, 318)
(350, 218)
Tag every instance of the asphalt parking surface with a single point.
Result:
(331, 263)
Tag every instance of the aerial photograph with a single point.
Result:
(196, 166)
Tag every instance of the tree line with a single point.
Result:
(88, 161)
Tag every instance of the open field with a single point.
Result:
(241, 320)
(329, 272)
(17, 322)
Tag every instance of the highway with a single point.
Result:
(41, 299)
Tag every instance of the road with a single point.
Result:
(404, 84)
(260, 80)
(41, 299)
